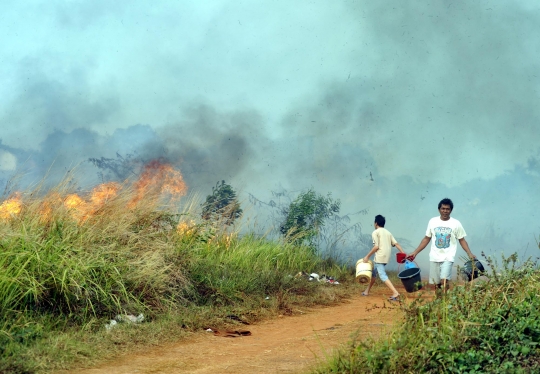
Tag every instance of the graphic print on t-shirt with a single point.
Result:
(442, 237)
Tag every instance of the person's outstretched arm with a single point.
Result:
(465, 247)
(399, 248)
(425, 241)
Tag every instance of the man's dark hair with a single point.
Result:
(380, 220)
(446, 201)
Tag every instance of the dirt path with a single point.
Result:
(283, 345)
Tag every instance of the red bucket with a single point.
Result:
(400, 257)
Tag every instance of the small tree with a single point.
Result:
(222, 204)
(306, 216)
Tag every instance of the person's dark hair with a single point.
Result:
(446, 201)
(380, 220)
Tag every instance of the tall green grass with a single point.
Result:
(66, 271)
(114, 260)
(251, 265)
(489, 327)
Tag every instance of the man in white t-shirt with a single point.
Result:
(445, 232)
(383, 241)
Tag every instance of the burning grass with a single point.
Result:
(69, 262)
(83, 255)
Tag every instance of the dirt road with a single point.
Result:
(290, 344)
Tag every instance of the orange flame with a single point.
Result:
(45, 211)
(76, 206)
(103, 193)
(11, 207)
(159, 178)
(46, 206)
(74, 201)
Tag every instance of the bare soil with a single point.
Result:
(289, 344)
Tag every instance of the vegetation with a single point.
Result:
(70, 263)
(337, 238)
(306, 216)
(490, 327)
(222, 205)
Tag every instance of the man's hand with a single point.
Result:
(365, 259)
(425, 241)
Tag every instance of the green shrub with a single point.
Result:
(475, 328)
(222, 205)
(306, 215)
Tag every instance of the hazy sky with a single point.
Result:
(426, 96)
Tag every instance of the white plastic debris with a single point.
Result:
(130, 318)
(327, 279)
(124, 318)
(111, 324)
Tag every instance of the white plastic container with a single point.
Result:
(363, 271)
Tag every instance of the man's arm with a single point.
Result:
(465, 247)
(425, 241)
(399, 247)
(373, 250)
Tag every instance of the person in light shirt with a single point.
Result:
(383, 241)
(444, 232)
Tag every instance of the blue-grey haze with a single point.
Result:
(388, 105)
